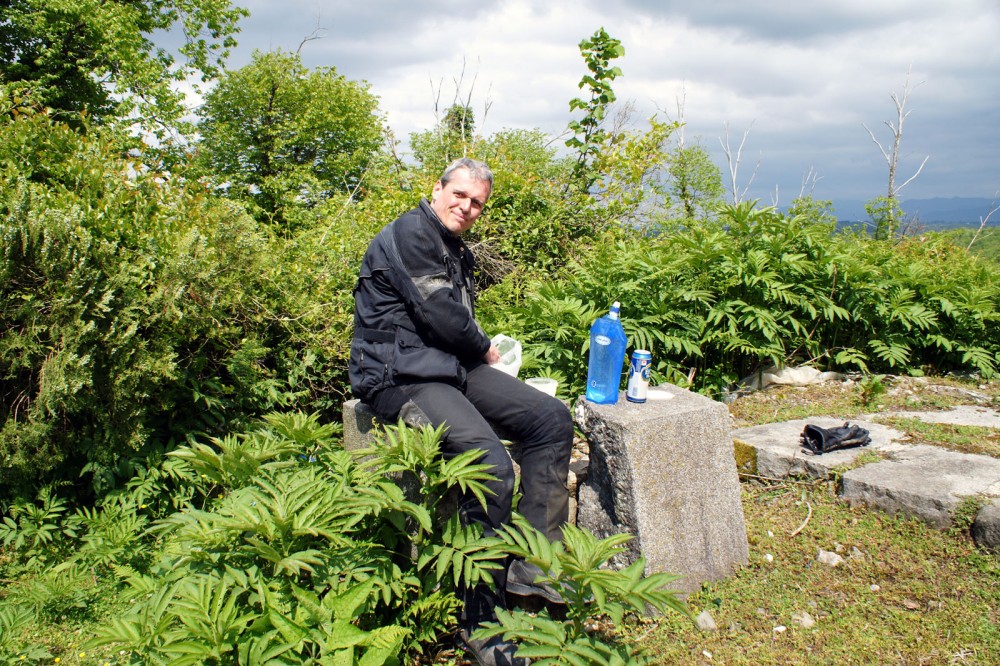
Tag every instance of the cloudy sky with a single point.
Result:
(802, 77)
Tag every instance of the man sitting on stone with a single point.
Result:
(419, 354)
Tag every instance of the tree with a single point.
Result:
(888, 208)
(694, 181)
(285, 138)
(589, 135)
(97, 56)
(435, 149)
(733, 159)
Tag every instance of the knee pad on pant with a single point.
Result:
(548, 423)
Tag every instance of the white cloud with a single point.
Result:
(805, 75)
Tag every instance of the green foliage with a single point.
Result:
(872, 388)
(695, 182)
(589, 136)
(986, 245)
(818, 211)
(97, 57)
(713, 302)
(35, 529)
(135, 310)
(529, 224)
(453, 137)
(628, 190)
(292, 550)
(16, 619)
(284, 139)
(885, 215)
(578, 567)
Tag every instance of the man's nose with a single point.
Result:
(465, 205)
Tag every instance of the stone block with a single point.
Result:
(923, 482)
(774, 451)
(359, 424)
(664, 472)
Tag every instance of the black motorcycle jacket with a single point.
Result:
(414, 308)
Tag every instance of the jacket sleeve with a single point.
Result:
(423, 276)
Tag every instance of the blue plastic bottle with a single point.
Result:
(607, 355)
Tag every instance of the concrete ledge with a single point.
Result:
(779, 453)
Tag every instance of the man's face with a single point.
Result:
(459, 203)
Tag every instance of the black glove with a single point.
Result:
(821, 440)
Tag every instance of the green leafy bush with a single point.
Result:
(135, 310)
(715, 302)
(292, 550)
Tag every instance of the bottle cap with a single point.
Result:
(615, 309)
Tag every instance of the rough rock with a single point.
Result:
(803, 619)
(986, 528)
(829, 558)
(664, 471)
(705, 621)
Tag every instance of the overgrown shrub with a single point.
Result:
(715, 302)
(287, 549)
(135, 309)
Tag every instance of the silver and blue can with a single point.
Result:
(638, 376)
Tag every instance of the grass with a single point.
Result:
(961, 438)
(60, 633)
(905, 594)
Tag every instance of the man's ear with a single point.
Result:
(437, 188)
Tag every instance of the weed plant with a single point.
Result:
(717, 301)
(286, 549)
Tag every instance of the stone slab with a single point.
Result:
(664, 472)
(925, 482)
(778, 453)
(970, 415)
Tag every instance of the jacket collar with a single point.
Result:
(425, 207)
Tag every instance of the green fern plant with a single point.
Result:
(579, 567)
(303, 551)
(39, 531)
(15, 648)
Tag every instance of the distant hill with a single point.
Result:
(936, 213)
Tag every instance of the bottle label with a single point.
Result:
(602, 340)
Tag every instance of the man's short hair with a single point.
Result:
(477, 171)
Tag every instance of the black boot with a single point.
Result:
(493, 651)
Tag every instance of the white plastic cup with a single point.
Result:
(546, 385)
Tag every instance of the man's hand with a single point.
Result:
(492, 355)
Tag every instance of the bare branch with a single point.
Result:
(917, 173)
(892, 155)
(994, 207)
(314, 35)
(811, 178)
(733, 160)
(878, 143)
